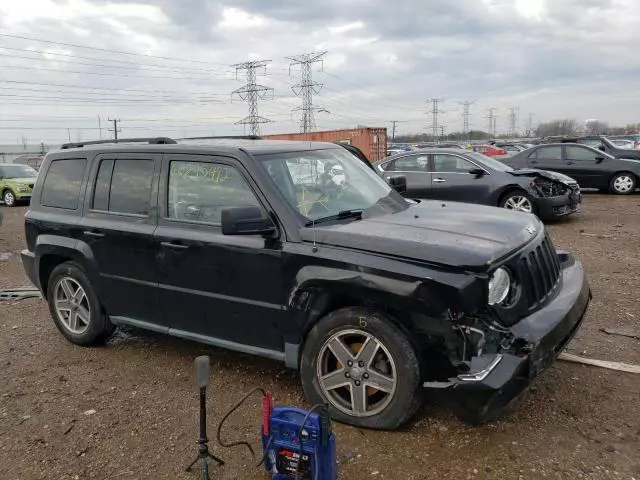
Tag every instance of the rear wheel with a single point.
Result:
(74, 306)
(364, 367)
(9, 198)
(623, 183)
(518, 201)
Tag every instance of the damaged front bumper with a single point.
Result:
(559, 206)
(494, 381)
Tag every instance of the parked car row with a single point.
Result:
(249, 245)
(464, 176)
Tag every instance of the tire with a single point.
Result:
(9, 198)
(623, 183)
(92, 325)
(515, 198)
(394, 367)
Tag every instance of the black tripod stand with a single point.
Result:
(202, 375)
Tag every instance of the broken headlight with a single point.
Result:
(499, 286)
(548, 188)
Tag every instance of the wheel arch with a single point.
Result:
(400, 300)
(510, 189)
(53, 250)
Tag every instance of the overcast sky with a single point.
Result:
(550, 58)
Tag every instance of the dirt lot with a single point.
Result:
(577, 422)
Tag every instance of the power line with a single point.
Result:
(251, 92)
(109, 89)
(137, 64)
(101, 73)
(120, 52)
(306, 88)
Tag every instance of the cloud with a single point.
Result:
(560, 58)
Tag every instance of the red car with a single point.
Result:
(489, 150)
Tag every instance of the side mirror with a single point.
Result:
(599, 159)
(601, 148)
(246, 221)
(398, 183)
(478, 172)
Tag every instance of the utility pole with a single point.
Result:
(465, 117)
(492, 122)
(100, 127)
(442, 132)
(513, 119)
(306, 88)
(115, 128)
(435, 112)
(251, 93)
(393, 130)
(69, 134)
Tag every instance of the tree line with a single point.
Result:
(561, 127)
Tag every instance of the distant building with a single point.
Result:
(8, 153)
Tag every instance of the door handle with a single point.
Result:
(534, 161)
(439, 180)
(93, 233)
(174, 246)
(569, 163)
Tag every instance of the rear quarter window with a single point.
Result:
(61, 187)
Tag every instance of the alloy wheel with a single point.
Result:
(519, 203)
(72, 305)
(623, 184)
(356, 373)
(9, 198)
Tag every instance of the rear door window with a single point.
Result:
(124, 186)
(445, 163)
(61, 188)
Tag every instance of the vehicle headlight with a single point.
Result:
(21, 187)
(499, 286)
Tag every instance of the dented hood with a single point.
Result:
(530, 172)
(454, 234)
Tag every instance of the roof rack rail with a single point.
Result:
(150, 141)
(237, 137)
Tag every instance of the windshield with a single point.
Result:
(489, 162)
(323, 183)
(17, 171)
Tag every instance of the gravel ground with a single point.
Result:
(577, 422)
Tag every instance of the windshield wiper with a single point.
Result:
(355, 213)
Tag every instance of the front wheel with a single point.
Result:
(518, 201)
(9, 198)
(363, 366)
(623, 183)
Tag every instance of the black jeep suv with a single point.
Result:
(299, 252)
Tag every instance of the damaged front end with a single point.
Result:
(557, 195)
(493, 363)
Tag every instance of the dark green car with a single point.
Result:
(16, 183)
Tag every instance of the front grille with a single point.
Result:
(539, 273)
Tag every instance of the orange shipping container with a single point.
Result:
(372, 141)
